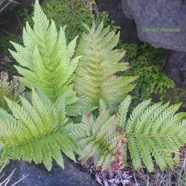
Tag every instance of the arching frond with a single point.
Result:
(154, 132)
(36, 131)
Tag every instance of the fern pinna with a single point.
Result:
(46, 60)
(153, 131)
(96, 72)
(36, 132)
(99, 140)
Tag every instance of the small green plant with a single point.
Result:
(147, 62)
(104, 16)
(96, 76)
(36, 132)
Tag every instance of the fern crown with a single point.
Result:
(98, 140)
(46, 60)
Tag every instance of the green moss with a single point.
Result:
(147, 63)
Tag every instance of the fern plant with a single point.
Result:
(99, 140)
(11, 89)
(36, 132)
(46, 60)
(96, 72)
(39, 131)
(153, 132)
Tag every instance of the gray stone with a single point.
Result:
(128, 26)
(176, 67)
(162, 23)
(37, 175)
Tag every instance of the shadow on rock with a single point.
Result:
(37, 175)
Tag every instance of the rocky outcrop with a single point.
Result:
(128, 26)
(162, 23)
(37, 175)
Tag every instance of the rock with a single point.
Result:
(10, 21)
(175, 67)
(162, 23)
(37, 175)
(128, 27)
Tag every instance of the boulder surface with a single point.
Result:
(37, 175)
(128, 26)
(175, 67)
(162, 23)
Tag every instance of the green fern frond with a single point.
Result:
(134, 116)
(96, 72)
(122, 112)
(46, 60)
(77, 110)
(102, 105)
(11, 89)
(154, 132)
(36, 132)
(99, 140)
